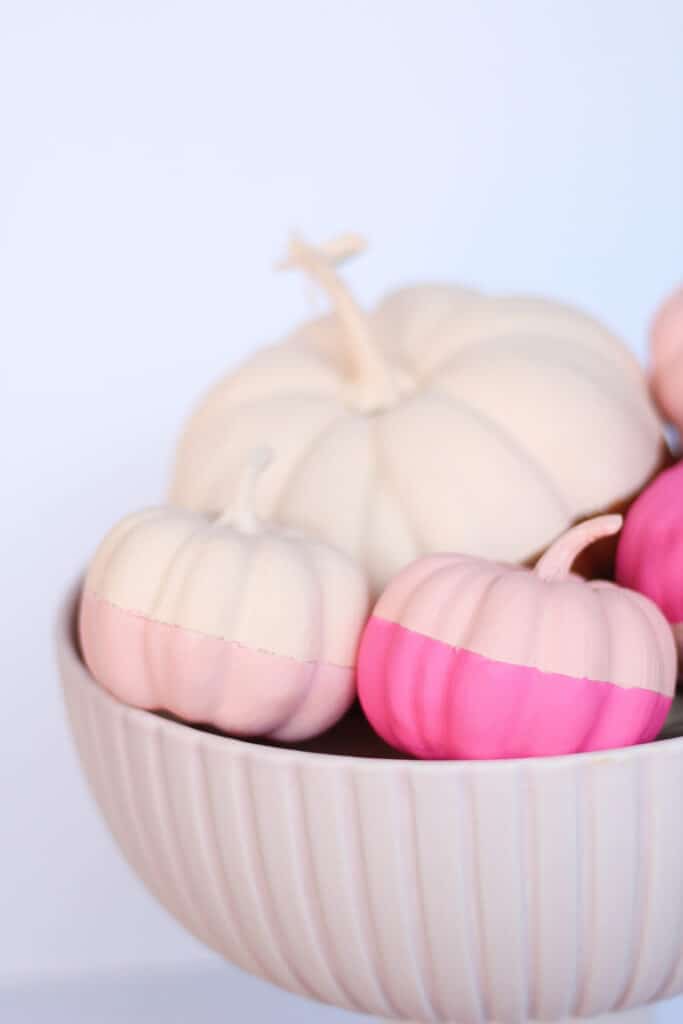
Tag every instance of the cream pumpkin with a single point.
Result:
(228, 622)
(443, 420)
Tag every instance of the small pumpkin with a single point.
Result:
(404, 431)
(465, 658)
(229, 622)
(666, 343)
(650, 550)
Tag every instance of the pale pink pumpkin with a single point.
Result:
(227, 622)
(466, 658)
(666, 343)
(650, 551)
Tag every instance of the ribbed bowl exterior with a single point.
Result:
(465, 891)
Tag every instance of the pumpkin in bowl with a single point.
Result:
(225, 622)
(444, 420)
(650, 551)
(666, 343)
(466, 658)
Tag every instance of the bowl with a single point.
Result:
(468, 892)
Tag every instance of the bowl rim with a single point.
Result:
(185, 732)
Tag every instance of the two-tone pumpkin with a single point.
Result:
(228, 621)
(465, 658)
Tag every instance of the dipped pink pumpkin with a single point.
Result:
(650, 551)
(666, 343)
(229, 622)
(466, 658)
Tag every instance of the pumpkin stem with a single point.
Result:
(376, 390)
(556, 563)
(241, 513)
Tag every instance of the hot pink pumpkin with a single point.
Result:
(650, 551)
(464, 658)
(666, 340)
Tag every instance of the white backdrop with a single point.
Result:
(153, 157)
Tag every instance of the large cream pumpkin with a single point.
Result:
(445, 420)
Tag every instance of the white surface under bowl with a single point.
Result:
(435, 891)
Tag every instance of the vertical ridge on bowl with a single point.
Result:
(221, 900)
(305, 878)
(470, 892)
(660, 963)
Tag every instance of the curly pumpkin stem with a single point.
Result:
(557, 562)
(375, 387)
(241, 513)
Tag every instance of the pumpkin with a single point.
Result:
(650, 551)
(466, 658)
(229, 622)
(666, 342)
(407, 430)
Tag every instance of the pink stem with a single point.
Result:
(557, 562)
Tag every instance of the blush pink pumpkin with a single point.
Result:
(227, 622)
(650, 551)
(465, 658)
(666, 343)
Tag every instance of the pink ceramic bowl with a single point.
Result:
(438, 891)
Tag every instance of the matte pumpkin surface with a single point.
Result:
(667, 358)
(445, 420)
(467, 658)
(650, 552)
(231, 623)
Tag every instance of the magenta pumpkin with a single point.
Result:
(464, 658)
(650, 551)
